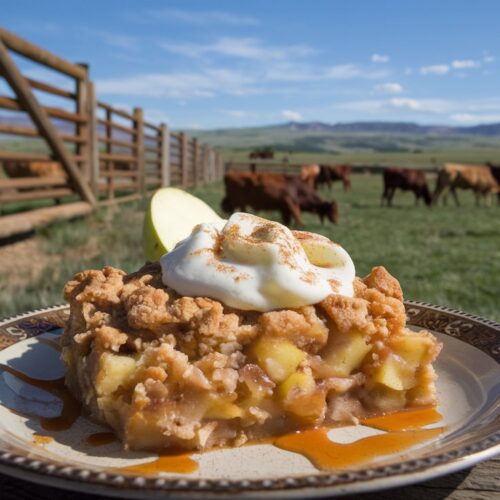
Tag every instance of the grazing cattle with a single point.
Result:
(287, 194)
(309, 174)
(332, 173)
(407, 179)
(495, 172)
(16, 169)
(262, 154)
(477, 178)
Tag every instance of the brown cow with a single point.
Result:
(16, 169)
(332, 173)
(407, 179)
(309, 174)
(477, 178)
(287, 194)
(495, 172)
(263, 154)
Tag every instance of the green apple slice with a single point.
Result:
(171, 216)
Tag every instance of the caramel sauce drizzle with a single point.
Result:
(52, 343)
(101, 438)
(71, 407)
(327, 455)
(404, 420)
(180, 464)
(40, 439)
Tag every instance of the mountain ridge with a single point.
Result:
(490, 129)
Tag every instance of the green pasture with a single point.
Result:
(356, 147)
(445, 255)
(423, 159)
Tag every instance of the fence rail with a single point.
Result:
(88, 153)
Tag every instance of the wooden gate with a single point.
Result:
(89, 153)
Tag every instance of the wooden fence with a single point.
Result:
(89, 153)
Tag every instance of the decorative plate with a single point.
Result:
(469, 401)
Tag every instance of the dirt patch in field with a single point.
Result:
(23, 261)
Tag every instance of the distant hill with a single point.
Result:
(393, 128)
(338, 138)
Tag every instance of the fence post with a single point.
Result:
(82, 129)
(109, 148)
(219, 165)
(196, 159)
(211, 159)
(139, 151)
(184, 159)
(41, 119)
(165, 155)
(206, 163)
(93, 147)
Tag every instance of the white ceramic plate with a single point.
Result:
(469, 400)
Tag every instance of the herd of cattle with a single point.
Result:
(293, 194)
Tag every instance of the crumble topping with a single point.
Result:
(165, 370)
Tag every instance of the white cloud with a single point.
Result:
(343, 71)
(121, 41)
(379, 58)
(469, 118)
(113, 39)
(293, 116)
(236, 113)
(488, 59)
(400, 103)
(367, 106)
(435, 69)
(389, 88)
(457, 64)
(156, 116)
(465, 63)
(405, 102)
(244, 48)
(424, 105)
(348, 71)
(180, 85)
(288, 71)
(202, 17)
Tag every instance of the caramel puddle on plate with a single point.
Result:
(40, 439)
(315, 445)
(405, 420)
(180, 464)
(52, 343)
(101, 438)
(71, 409)
(325, 454)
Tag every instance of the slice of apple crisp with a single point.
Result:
(165, 370)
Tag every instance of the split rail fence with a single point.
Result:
(83, 153)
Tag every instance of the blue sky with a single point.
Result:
(206, 64)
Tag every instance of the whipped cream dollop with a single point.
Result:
(251, 263)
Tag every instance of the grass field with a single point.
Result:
(423, 159)
(356, 147)
(445, 255)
